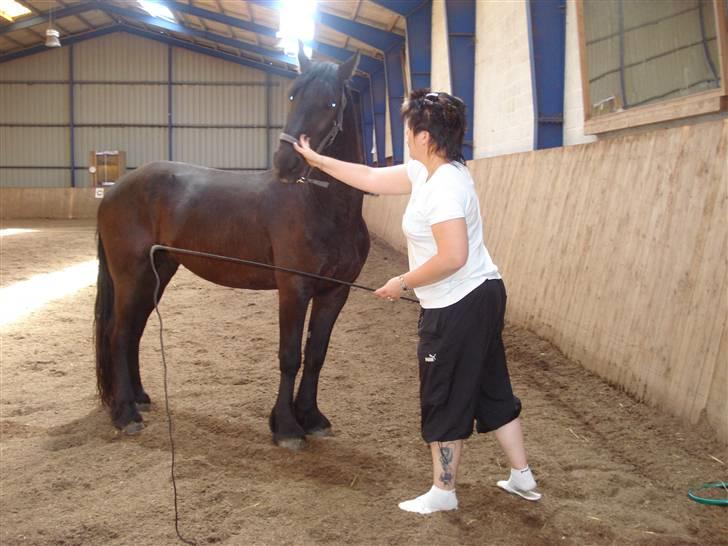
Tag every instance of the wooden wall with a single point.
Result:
(62, 203)
(616, 252)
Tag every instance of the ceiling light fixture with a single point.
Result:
(52, 35)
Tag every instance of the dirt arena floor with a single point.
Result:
(612, 470)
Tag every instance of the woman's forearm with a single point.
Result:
(433, 270)
(356, 175)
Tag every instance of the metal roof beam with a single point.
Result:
(67, 40)
(374, 37)
(367, 64)
(219, 17)
(205, 35)
(401, 7)
(43, 18)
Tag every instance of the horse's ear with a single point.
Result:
(304, 63)
(346, 70)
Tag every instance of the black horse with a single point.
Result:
(263, 217)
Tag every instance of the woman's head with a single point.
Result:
(442, 117)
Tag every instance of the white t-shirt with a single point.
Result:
(448, 194)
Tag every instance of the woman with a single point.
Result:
(463, 373)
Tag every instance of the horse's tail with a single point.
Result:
(102, 317)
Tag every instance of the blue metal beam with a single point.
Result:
(366, 63)
(43, 18)
(380, 39)
(206, 35)
(401, 7)
(219, 17)
(547, 25)
(395, 93)
(461, 41)
(419, 46)
(66, 40)
(379, 98)
(166, 39)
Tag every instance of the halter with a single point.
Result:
(337, 128)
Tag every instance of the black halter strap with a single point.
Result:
(337, 128)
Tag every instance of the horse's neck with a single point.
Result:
(347, 147)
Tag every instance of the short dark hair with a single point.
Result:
(440, 114)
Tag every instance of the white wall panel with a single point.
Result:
(503, 112)
(191, 66)
(140, 144)
(219, 105)
(118, 103)
(440, 69)
(48, 65)
(37, 103)
(221, 148)
(573, 101)
(35, 178)
(23, 146)
(120, 57)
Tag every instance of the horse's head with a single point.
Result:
(317, 99)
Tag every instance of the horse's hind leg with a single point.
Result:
(326, 309)
(145, 300)
(132, 305)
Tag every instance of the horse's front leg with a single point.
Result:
(326, 309)
(293, 302)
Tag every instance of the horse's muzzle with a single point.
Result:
(288, 163)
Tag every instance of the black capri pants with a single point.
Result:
(463, 372)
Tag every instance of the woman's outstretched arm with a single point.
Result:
(381, 180)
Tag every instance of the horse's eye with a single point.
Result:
(333, 105)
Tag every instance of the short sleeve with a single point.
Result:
(416, 172)
(444, 203)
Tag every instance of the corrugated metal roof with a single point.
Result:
(199, 23)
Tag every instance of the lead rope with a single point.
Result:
(161, 337)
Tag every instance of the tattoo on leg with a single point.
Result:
(446, 455)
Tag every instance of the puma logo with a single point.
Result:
(431, 358)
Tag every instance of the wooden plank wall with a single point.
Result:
(617, 252)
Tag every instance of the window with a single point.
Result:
(645, 61)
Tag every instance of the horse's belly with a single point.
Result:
(231, 274)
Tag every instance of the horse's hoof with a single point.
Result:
(322, 433)
(294, 444)
(135, 427)
(144, 406)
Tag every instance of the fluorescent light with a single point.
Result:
(297, 23)
(156, 9)
(10, 9)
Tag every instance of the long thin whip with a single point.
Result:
(154, 249)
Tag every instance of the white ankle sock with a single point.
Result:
(522, 479)
(434, 500)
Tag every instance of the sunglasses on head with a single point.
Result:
(433, 98)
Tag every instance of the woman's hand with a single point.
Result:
(303, 147)
(391, 291)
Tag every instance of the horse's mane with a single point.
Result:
(324, 74)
